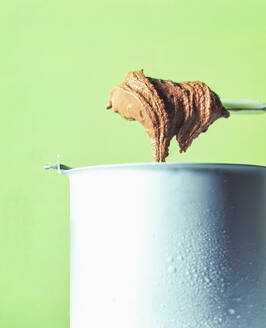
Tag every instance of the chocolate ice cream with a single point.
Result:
(166, 109)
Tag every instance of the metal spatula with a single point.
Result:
(245, 106)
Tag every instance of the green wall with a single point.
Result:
(58, 61)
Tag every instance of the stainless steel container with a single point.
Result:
(165, 245)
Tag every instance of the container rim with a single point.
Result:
(172, 165)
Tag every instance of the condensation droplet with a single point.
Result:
(238, 316)
(170, 259)
(171, 268)
(207, 279)
(232, 311)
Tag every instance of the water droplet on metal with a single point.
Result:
(170, 259)
(207, 279)
(171, 268)
(231, 311)
(180, 258)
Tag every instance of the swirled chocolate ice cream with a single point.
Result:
(166, 109)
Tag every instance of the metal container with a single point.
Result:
(166, 245)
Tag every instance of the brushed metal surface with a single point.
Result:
(168, 245)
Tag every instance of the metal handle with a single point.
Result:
(246, 106)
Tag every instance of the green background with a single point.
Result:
(58, 61)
